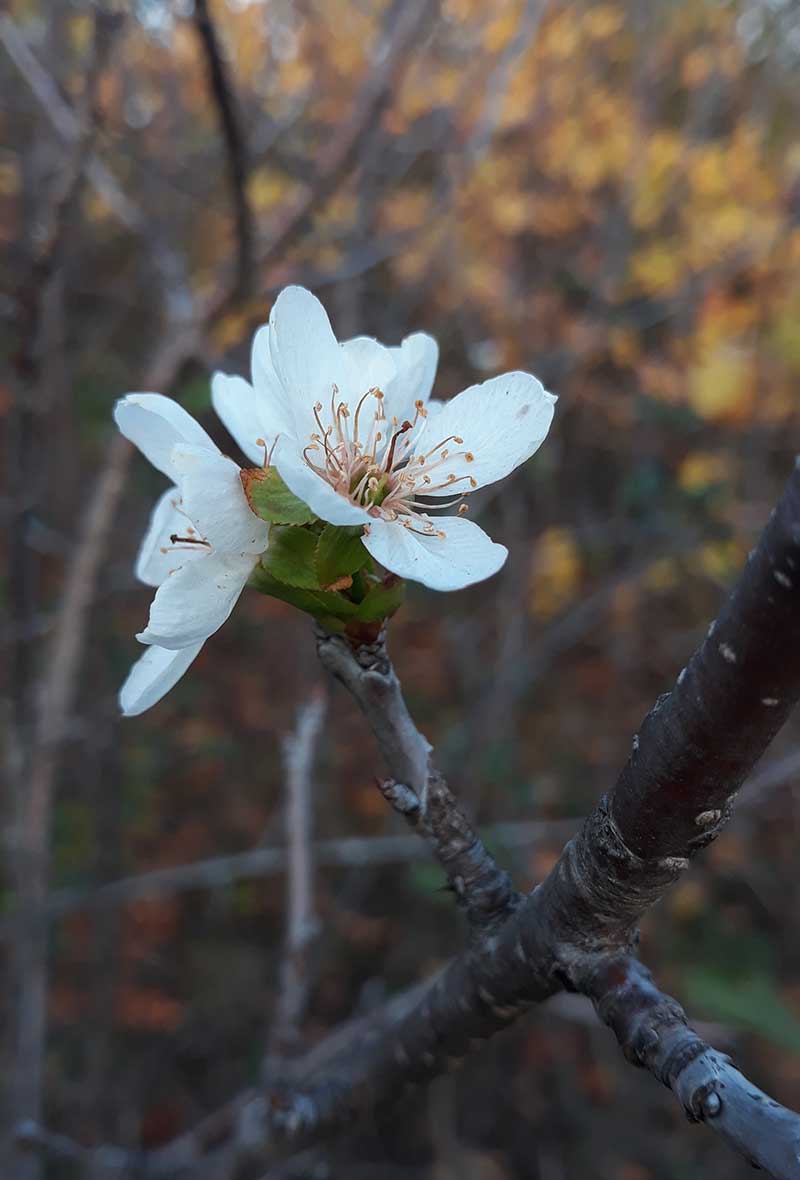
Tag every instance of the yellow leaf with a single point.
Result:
(661, 575)
(555, 572)
(703, 469)
(657, 268)
(720, 384)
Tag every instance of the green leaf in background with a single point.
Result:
(330, 608)
(340, 552)
(269, 497)
(290, 557)
(752, 1001)
(382, 600)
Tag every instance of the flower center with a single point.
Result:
(384, 466)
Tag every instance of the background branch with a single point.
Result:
(301, 921)
(405, 25)
(224, 96)
(345, 852)
(38, 714)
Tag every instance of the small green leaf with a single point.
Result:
(290, 557)
(329, 607)
(340, 552)
(382, 600)
(269, 497)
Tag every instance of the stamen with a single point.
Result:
(429, 531)
(369, 393)
(448, 482)
(452, 438)
(436, 503)
(373, 457)
(176, 539)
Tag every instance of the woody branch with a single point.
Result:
(577, 930)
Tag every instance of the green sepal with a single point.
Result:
(269, 497)
(332, 609)
(340, 552)
(382, 600)
(290, 557)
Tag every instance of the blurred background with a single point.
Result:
(605, 194)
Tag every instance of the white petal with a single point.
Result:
(369, 365)
(262, 369)
(155, 424)
(502, 422)
(153, 565)
(237, 404)
(464, 555)
(416, 360)
(320, 497)
(276, 402)
(152, 676)
(195, 601)
(213, 498)
(306, 356)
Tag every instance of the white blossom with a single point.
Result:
(355, 435)
(200, 547)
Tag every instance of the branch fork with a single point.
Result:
(577, 930)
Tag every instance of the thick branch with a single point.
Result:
(697, 745)
(417, 791)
